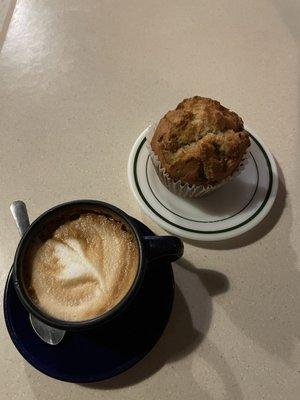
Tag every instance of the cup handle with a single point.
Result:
(168, 248)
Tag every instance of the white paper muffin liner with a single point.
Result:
(184, 189)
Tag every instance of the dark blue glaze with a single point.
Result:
(97, 354)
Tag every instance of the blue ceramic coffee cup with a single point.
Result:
(151, 248)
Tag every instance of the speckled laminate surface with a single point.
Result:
(79, 80)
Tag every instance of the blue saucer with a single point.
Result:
(97, 354)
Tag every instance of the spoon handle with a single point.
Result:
(19, 212)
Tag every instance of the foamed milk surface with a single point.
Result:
(85, 269)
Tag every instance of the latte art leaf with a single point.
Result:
(76, 265)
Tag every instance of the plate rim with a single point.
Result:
(205, 237)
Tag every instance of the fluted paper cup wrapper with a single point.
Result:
(184, 189)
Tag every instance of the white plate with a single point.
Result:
(225, 213)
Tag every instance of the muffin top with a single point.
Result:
(200, 142)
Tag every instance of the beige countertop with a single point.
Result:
(79, 80)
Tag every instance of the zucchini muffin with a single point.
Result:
(200, 143)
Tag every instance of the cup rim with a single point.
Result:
(85, 324)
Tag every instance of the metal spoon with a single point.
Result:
(48, 334)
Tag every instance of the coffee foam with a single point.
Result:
(84, 269)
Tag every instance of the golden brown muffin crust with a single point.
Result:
(200, 142)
